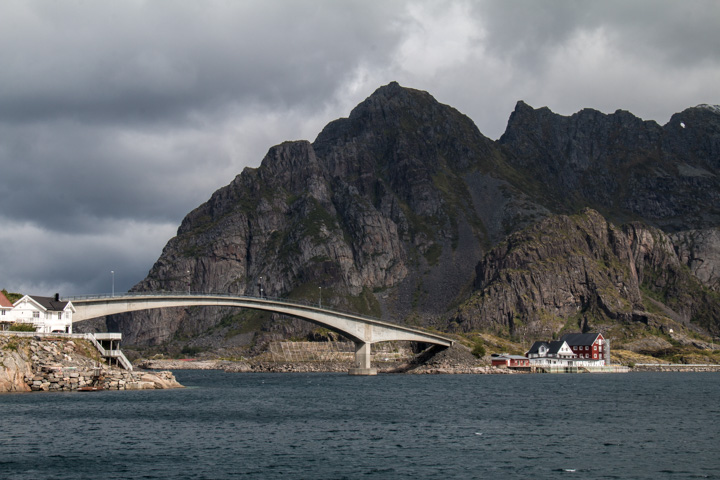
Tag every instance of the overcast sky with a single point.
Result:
(119, 117)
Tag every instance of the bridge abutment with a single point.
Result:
(362, 360)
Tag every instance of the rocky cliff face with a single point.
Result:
(700, 251)
(581, 272)
(389, 211)
(620, 165)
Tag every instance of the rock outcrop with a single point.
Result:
(582, 272)
(30, 364)
(700, 251)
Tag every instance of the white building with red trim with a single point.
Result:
(589, 346)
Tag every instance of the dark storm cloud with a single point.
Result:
(118, 118)
(68, 177)
(658, 30)
(138, 61)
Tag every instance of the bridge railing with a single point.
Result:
(300, 303)
(313, 305)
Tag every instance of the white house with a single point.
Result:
(554, 349)
(47, 314)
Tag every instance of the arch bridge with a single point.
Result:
(363, 331)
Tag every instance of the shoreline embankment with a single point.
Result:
(59, 364)
(251, 366)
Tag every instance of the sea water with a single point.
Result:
(335, 426)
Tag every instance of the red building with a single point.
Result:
(509, 361)
(591, 346)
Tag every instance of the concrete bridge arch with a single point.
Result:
(363, 331)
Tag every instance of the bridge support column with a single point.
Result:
(362, 360)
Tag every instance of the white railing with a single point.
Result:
(120, 296)
(116, 354)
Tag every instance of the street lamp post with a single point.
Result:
(112, 274)
(188, 280)
(320, 299)
(260, 290)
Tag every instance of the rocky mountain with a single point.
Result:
(392, 210)
(582, 273)
(624, 167)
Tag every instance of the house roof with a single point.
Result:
(4, 302)
(577, 339)
(536, 346)
(555, 346)
(505, 356)
(51, 304)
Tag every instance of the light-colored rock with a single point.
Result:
(700, 251)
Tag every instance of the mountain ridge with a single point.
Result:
(390, 210)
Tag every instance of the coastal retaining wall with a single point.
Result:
(674, 367)
(51, 378)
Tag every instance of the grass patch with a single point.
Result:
(432, 254)
(365, 304)
(11, 345)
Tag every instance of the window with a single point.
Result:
(3, 312)
(59, 315)
(36, 314)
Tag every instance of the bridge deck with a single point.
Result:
(364, 331)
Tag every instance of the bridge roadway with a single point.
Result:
(363, 331)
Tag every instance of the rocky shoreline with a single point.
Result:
(675, 368)
(454, 360)
(308, 367)
(29, 364)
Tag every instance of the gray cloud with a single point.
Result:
(118, 118)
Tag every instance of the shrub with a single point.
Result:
(192, 351)
(478, 349)
(22, 327)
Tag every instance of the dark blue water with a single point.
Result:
(332, 426)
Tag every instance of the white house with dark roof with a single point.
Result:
(47, 314)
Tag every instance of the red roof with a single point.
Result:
(4, 302)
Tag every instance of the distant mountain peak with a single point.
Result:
(712, 108)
